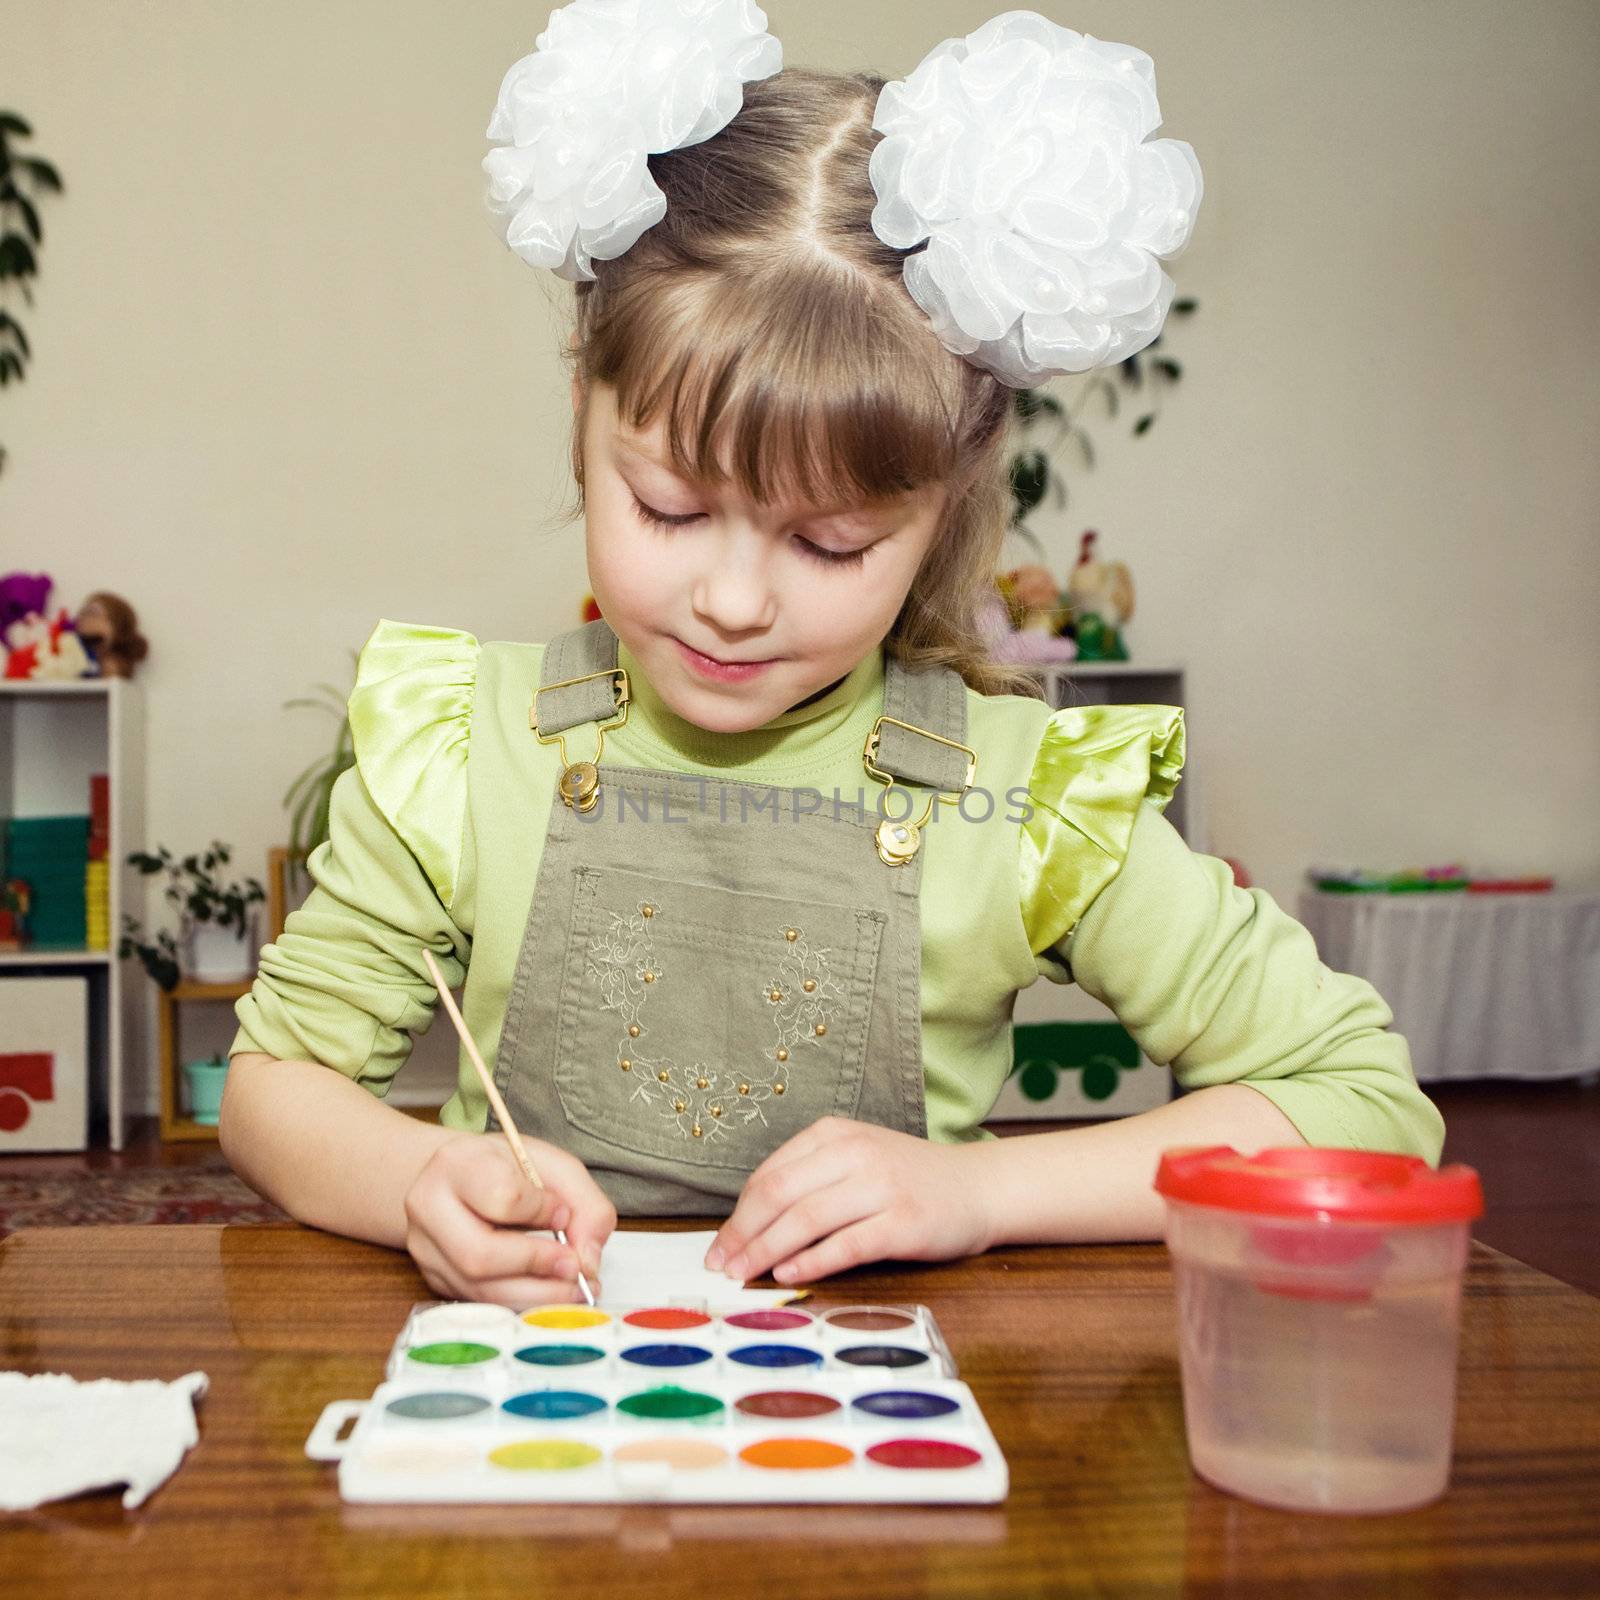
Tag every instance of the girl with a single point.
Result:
(743, 879)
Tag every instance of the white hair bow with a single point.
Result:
(610, 82)
(1018, 153)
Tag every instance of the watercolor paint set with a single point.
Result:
(668, 1402)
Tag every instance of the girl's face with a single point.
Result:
(738, 612)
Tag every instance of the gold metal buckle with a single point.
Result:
(898, 841)
(579, 784)
(870, 750)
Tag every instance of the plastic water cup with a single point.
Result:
(1319, 1296)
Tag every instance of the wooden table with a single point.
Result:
(1071, 1353)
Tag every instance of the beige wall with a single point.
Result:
(286, 381)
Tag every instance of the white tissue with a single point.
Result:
(61, 1437)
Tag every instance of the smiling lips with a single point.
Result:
(718, 670)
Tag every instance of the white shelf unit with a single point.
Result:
(53, 736)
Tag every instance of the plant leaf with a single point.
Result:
(42, 172)
(1029, 478)
(29, 215)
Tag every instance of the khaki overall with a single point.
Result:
(711, 965)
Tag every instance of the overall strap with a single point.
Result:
(588, 654)
(920, 741)
(933, 701)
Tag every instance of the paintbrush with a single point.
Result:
(507, 1126)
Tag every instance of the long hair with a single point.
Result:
(769, 327)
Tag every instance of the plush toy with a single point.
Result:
(22, 594)
(109, 627)
(1019, 621)
(39, 648)
(103, 639)
(1035, 599)
(1100, 594)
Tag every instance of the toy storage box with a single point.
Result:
(44, 1098)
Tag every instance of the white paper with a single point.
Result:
(639, 1267)
(62, 1437)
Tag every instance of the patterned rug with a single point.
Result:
(201, 1192)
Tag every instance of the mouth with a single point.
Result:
(718, 670)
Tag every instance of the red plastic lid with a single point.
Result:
(1342, 1185)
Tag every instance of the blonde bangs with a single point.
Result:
(791, 386)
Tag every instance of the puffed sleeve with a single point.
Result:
(345, 983)
(1095, 767)
(1225, 986)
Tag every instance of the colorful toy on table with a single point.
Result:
(667, 1401)
(1424, 880)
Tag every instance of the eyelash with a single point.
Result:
(829, 558)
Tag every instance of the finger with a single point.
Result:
(812, 1217)
(860, 1242)
(775, 1185)
(524, 1293)
(519, 1293)
(477, 1250)
(591, 1217)
(434, 1268)
(495, 1187)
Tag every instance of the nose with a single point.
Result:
(733, 594)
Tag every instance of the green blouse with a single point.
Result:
(435, 837)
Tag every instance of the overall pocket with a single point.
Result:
(709, 1025)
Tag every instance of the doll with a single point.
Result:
(109, 627)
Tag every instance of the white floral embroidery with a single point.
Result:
(619, 959)
(704, 1102)
(796, 1008)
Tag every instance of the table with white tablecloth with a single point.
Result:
(1481, 985)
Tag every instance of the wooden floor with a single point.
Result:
(1536, 1146)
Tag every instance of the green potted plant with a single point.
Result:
(307, 799)
(18, 260)
(1033, 477)
(205, 1080)
(216, 941)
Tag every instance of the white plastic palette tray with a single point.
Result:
(665, 1403)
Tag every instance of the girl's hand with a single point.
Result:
(845, 1192)
(468, 1211)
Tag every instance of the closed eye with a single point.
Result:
(816, 552)
(664, 519)
(834, 558)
